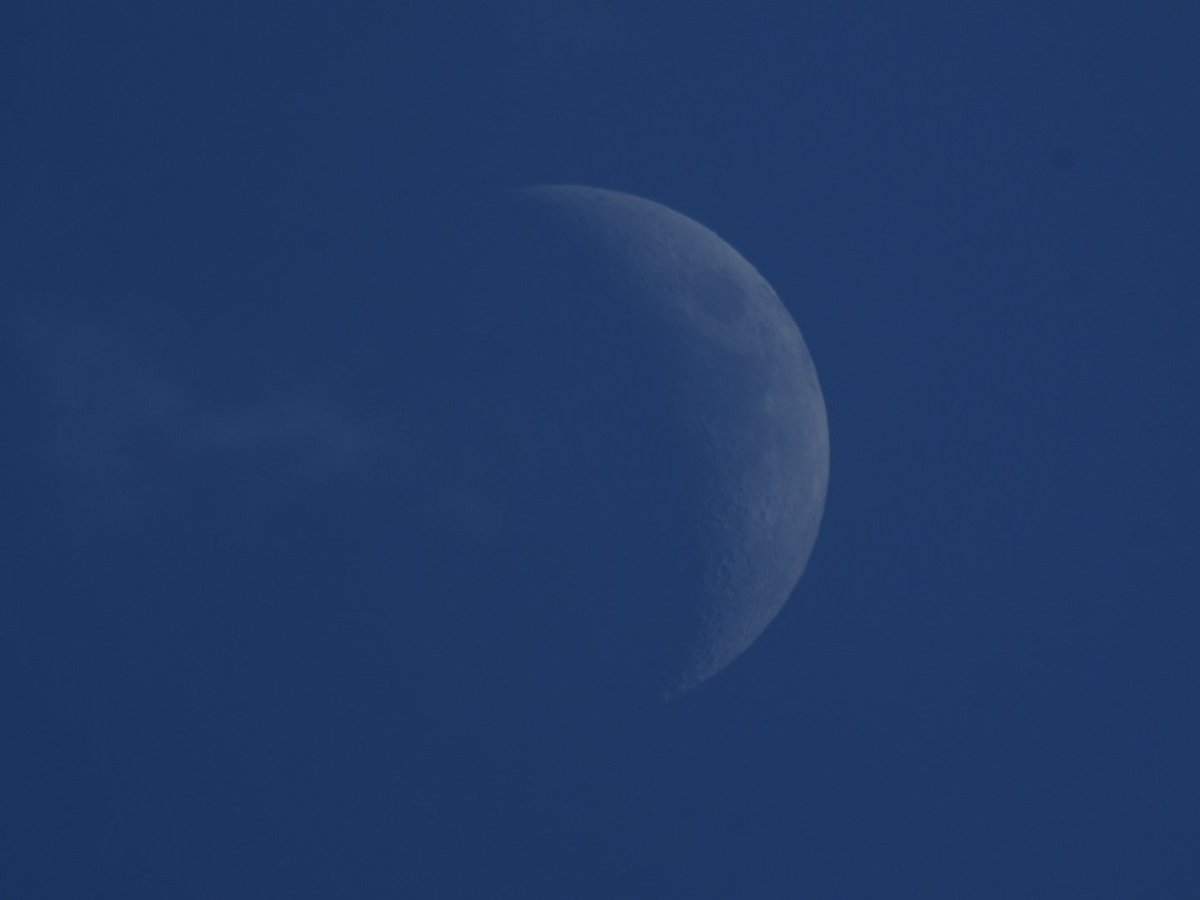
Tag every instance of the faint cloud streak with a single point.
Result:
(117, 434)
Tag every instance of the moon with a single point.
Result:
(633, 453)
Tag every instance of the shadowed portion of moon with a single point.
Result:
(625, 451)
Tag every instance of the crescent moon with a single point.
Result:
(658, 448)
(747, 395)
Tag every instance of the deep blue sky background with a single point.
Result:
(984, 218)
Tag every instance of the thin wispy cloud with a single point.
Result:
(115, 431)
(318, 438)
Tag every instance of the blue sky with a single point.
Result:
(216, 225)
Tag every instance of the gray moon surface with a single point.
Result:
(637, 445)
